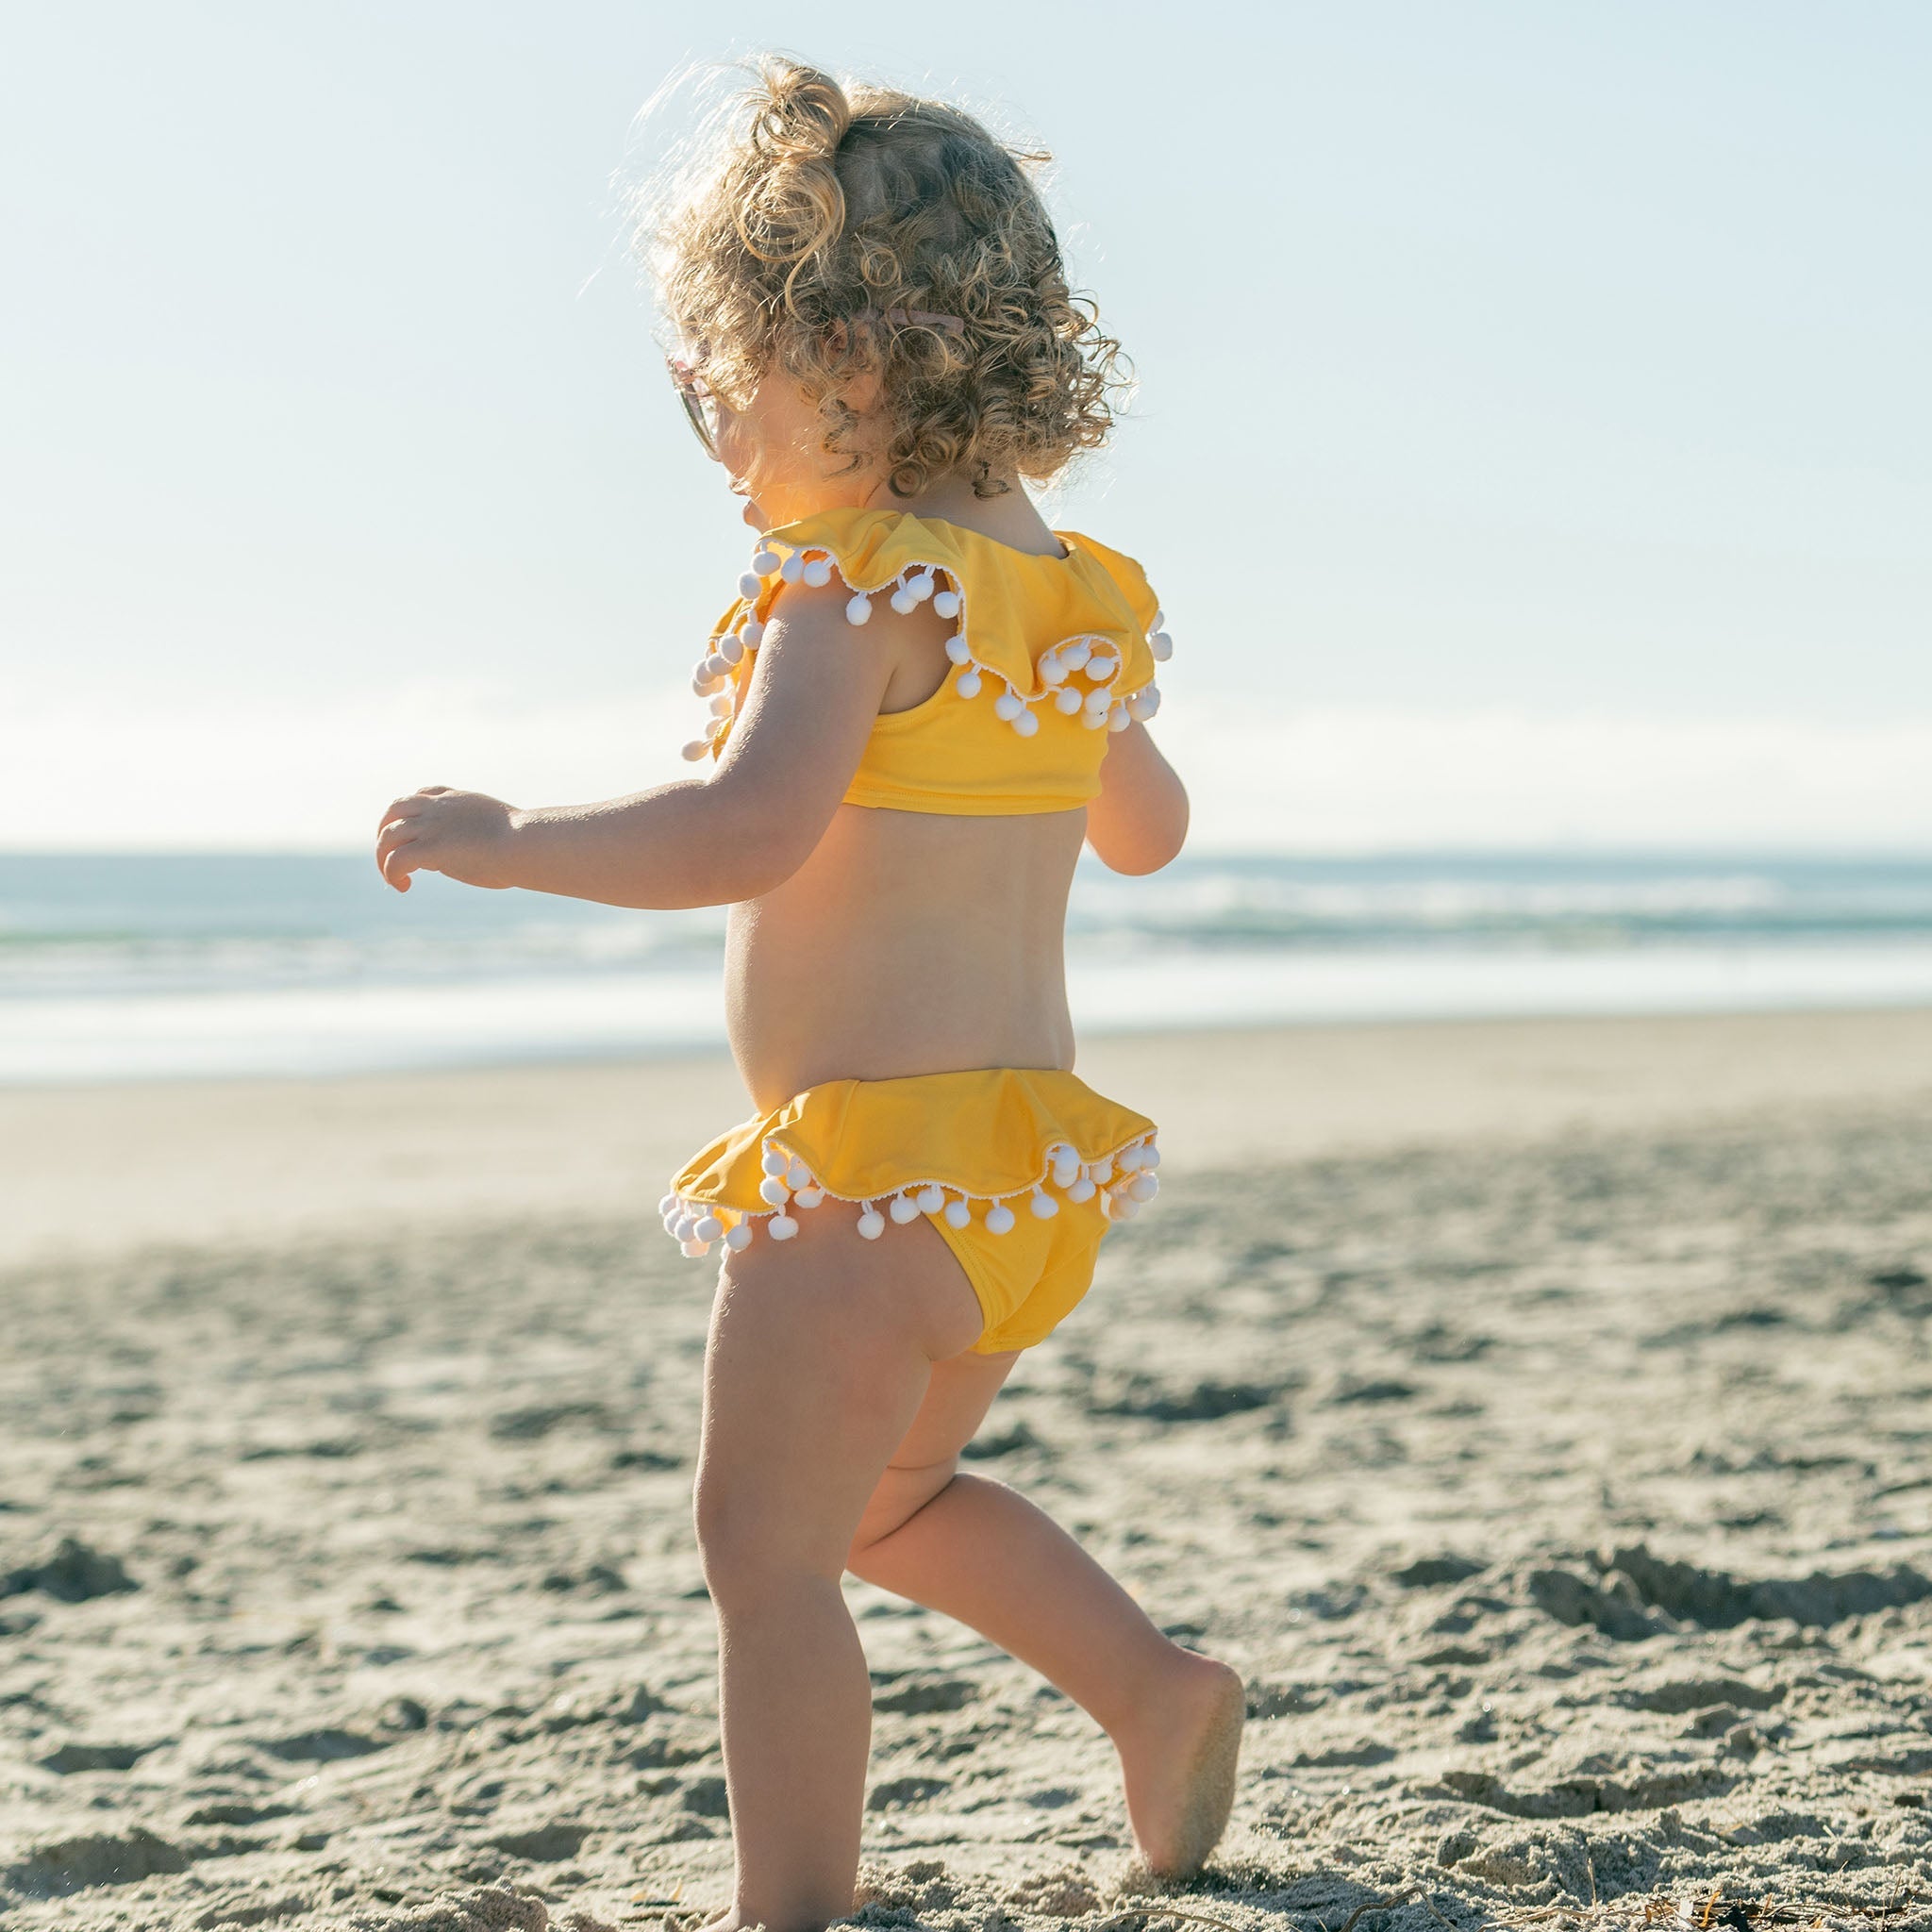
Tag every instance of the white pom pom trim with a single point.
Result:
(1097, 655)
(1122, 1177)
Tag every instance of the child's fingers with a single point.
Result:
(396, 865)
(394, 858)
(406, 807)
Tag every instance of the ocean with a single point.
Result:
(183, 966)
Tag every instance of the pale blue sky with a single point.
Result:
(1520, 361)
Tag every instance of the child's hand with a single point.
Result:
(463, 834)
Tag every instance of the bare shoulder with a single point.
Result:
(826, 628)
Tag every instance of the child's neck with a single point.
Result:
(1008, 517)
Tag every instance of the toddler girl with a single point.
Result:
(921, 703)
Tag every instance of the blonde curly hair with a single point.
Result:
(838, 230)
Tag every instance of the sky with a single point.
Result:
(1532, 446)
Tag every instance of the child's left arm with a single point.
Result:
(813, 696)
(1140, 818)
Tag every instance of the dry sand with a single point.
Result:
(1536, 1414)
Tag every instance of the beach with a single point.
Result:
(1533, 1410)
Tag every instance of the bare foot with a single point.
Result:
(1179, 1764)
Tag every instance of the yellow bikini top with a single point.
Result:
(1051, 654)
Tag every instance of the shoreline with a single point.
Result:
(92, 1170)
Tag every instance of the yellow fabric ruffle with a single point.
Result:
(987, 1134)
(955, 753)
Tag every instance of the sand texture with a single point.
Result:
(1567, 1504)
(91, 1170)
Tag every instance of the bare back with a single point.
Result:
(908, 942)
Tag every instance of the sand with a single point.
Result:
(1536, 1414)
(92, 1169)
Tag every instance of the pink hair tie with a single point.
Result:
(924, 318)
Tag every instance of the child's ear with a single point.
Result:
(863, 388)
(863, 382)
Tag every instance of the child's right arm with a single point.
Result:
(1140, 820)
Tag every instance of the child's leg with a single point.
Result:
(981, 1553)
(821, 1350)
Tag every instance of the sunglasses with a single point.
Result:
(701, 404)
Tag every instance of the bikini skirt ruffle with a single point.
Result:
(1021, 1171)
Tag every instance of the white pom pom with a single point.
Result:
(1161, 645)
(968, 685)
(1117, 719)
(749, 585)
(1097, 703)
(1025, 724)
(958, 1214)
(717, 664)
(1139, 707)
(695, 1248)
(858, 609)
(737, 1238)
(808, 1197)
(921, 585)
(1007, 706)
(1127, 1159)
(1067, 700)
(902, 1208)
(671, 1225)
(1051, 670)
(1102, 1171)
(752, 634)
(1144, 1187)
(871, 1224)
(798, 1174)
(686, 1226)
(793, 568)
(1159, 620)
(776, 1161)
(1101, 669)
(1065, 1172)
(946, 604)
(764, 561)
(817, 572)
(903, 602)
(999, 1217)
(731, 649)
(1074, 655)
(775, 1191)
(1044, 1205)
(720, 704)
(781, 1228)
(702, 682)
(695, 749)
(931, 1198)
(1081, 1190)
(709, 1230)
(668, 1203)
(957, 647)
(1121, 1204)
(1150, 1155)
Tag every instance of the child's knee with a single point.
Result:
(747, 1548)
(900, 1495)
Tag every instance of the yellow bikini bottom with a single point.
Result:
(1021, 1169)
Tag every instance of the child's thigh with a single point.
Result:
(821, 1352)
